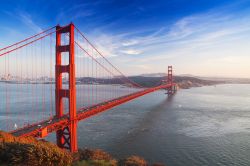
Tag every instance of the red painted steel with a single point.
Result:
(62, 122)
(65, 124)
(67, 136)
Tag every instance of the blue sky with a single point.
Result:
(199, 37)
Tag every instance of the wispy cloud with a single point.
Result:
(27, 20)
(66, 16)
(131, 52)
(78, 11)
(200, 37)
(130, 43)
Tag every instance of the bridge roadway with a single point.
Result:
(54, 124)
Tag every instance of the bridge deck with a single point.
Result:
(54, 124)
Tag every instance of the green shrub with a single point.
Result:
(89, 157)
(133, 161)
(29, 151)
(96, 163)
(88, 154)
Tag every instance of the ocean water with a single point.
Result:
(198, 126)
(208, 125)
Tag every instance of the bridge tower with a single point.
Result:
(67, 136)
(170, 80)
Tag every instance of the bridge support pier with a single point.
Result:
(66, 137)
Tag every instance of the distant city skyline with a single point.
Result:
(202, 38)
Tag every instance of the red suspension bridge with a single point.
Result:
(40, 96)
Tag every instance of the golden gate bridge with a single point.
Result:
(55, 78)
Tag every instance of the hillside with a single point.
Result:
(32, 152)
(183, 82)
(149, 81)
(29, 151)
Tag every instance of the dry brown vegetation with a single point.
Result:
(29, 151)
(133, 161)
(94, 157)
(87, 154)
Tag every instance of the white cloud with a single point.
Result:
(130, 43)
(131, 52)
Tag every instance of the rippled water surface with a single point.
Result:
(198, 126)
